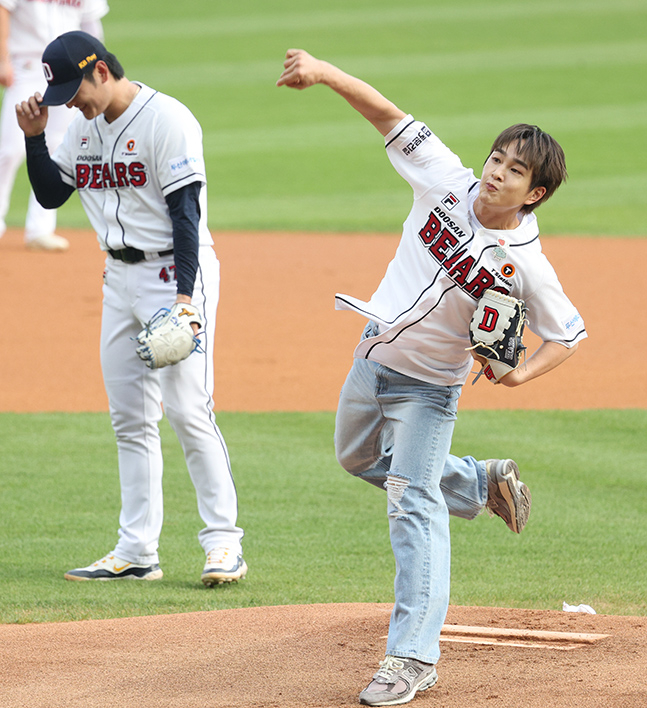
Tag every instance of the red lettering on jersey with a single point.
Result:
(441, 241)
(107, 177)
(168, 274)
(480, 283)
(430, 230)
(451, 262)
(96, 176)
(82, 175)
(100, 176)
(445, 241)
(138, 176)
(121, 174)
(461, 270)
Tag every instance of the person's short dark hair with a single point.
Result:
(114, 66)
(542, 153)
(116, 69)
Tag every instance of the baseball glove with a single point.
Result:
(168, 337)
(496, 334)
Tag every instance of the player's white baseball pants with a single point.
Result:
(28, 78)
(132, 295)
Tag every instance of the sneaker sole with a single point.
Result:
(47, 249)
(155, 575)
(512, 489)
(211, 579)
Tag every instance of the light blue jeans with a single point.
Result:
(395, 432)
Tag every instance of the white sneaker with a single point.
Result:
(48, 242)
(397, 681)
(112, 568)
(223, 566)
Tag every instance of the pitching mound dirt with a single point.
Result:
(313, 656)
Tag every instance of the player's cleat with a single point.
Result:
(48, 242)
(112, 568)
(508, 497)
(397, 681)
(223, 566)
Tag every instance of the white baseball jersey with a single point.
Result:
(445, 261)
(124, 169)
(35, 23)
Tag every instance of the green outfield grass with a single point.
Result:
(285, 160)
(315, 534)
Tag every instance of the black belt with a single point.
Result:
(134, 255)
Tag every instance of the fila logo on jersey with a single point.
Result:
(450, 201)
(101, 176)
(441, 241)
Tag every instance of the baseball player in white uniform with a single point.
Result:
(26, 28)
(135, 157)
(398, 405)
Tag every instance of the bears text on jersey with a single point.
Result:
(440, 241)
(104, 176)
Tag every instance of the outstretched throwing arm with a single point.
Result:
(302, 70)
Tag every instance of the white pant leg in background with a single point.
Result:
(132, 295)
(134, 396)
(187, 391)
(28, 78)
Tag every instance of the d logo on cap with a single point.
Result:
(65, 62)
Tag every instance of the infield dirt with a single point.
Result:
(281, 346)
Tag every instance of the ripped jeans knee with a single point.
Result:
(396, 486)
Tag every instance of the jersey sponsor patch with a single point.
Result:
(419, 139)
(130, 149)
(182, 165)
(575, 321)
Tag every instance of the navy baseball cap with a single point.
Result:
(65, 61)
